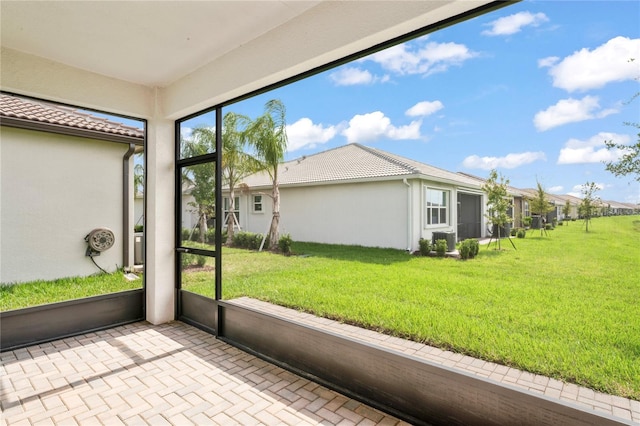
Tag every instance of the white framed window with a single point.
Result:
(527, 212)
(436, 206)
(236, 211)
(256, 203)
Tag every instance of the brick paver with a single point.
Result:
(171, 374)
(625, 409)
(175, 374)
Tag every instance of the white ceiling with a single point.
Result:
(150, 43)
(143, 58)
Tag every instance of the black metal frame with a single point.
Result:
(191, 308)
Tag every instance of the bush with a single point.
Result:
(527, 221)
(560, 223)
(513, 232)
(249, 240)
(469, 248)
(441, 247)
(210, 237)
(521, 233)
(464, 250)
(548, 227)
(138, 228)
(425, 247)
(190, 259)
(475, 247)
(284, 244)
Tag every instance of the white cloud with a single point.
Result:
(570, 111)
(548, 62)
(350, 76)
(510, 161)
(556, 189)
(304, 134)
(430, 59)
(375, 125)
(616, 60)
(592, 150)
(424, 108)
(512, 24)
(577, 189)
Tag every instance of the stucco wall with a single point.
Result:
(54, 190)
(368, 214)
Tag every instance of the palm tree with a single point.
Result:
(201, 177)
(236, 163)
(268, 136)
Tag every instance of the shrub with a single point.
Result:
(210, 237)
(425, 247)
(284, 244)
(138, 228)
(548, 227)
(248, 240)
(201, 260)
(441, 247)
(475, 247)
(513, 232)
(560, 223)
(469, 248)
(521, 233)
(527, 221)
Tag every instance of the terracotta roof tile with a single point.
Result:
(44, 112)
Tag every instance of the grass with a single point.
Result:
(16, 296)
(565, 305)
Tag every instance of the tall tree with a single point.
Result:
(629, 161)
(589, 202)
(201, 177)
(497, 202)
(540, 205)
(236, 162)
(268, 135)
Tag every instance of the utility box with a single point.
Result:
(450, 237)
(138, 248)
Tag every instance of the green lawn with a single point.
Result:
(566, 305)
(41, 292)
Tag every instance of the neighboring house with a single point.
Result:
(63, 173)
(574, 204)
(518, 202)
(363, 196)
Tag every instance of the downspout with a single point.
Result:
(409, 247)
(126, 231)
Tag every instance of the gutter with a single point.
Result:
(409, 247)
(126, 225)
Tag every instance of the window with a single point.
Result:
(527, 213)
(437, 207)
(236, 211)
(257, 204)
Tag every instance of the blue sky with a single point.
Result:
(533, 90)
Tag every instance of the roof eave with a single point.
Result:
(68, 131)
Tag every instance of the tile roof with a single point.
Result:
(16, 107)
(354, 162)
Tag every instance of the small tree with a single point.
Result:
(497, 202)
(629, 160)
(566, 210)
(268, 136)
(589, 202)
(540, 205)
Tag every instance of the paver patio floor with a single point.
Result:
(175, 374)
(170, 374)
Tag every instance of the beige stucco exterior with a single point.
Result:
(55, 189)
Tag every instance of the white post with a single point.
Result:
(160, 220)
